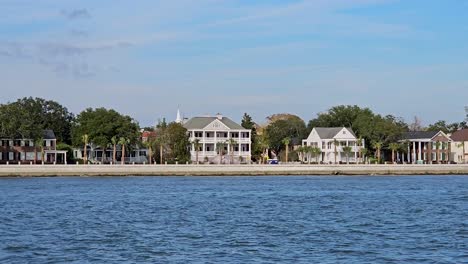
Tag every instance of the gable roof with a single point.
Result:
(49, 134)
(331, 132)
(202, 122)
(419, 135)
(460, 135)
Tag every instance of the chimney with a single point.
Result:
(219, 116)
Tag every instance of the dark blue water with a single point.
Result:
(234, 220)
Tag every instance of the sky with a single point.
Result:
(147, 58)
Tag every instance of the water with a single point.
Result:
(234, 220)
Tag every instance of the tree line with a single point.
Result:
(27, 117)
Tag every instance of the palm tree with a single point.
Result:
(393, 147)
(364, 152)
(149, 145)
(316, 151)
(220, 149)
(286, 142)
(300, 153)
(347, 150)
(196, 145)
(232, 142)
(123, 141)
(114, 141)
(85, 139)
(377, 145)
(264, 145)
(309, 151)
(39, 142)
(335, 151)
(359, 145)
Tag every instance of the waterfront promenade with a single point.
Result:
(227, 170)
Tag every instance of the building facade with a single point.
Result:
(459, 146)
(331, 141)
(14, 151)
(212, 133)
(426, 147)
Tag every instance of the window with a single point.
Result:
(11, 156)
(29, 155)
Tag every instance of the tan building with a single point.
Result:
(459, 146)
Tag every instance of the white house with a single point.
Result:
(326, 138)
(210, 131)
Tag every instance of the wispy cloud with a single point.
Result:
(76, 14)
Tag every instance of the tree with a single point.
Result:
(286, 142)
(220, 148)
(335, 148)
(232, 142)
(149, 145)
(39, 143)
(377, 145)
(300, 153)
(196, 145)
(40, 114)
(416, 125)
(462, 145)
(347, 150)
(248, 123)
(173, 142)
(364, 152)
(394, 147)
(366, 124)
(446, 128)
(114, 141)
(316, 151)
(101, 125)
(85, 140)
(359, 145)
(123, 142)
(291, 126)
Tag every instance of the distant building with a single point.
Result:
(25, 150)
(327, 138)
(212, 130)
(459, 146)
(427, 147)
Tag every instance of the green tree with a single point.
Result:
(101, 125)
(220, 148)
(316, 151)
(85, 141)
(114, 141)
(232, 142)
(291, 126)
(394, 147)
(286, 142)
(377, 145)
(347, 150)
(123, 142)
(335, 148)
(196, 145)
(248, 123)
(39, 142)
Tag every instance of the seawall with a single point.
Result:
(227, 170)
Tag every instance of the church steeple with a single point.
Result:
(178, 119)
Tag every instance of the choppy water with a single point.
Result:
(234, 220)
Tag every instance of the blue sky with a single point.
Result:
(145, 58)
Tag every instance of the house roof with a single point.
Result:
(331, 132)
(460, 135)
(49, 134)
(419, 135)
(202, 122)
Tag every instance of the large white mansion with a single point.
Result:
(326, 138)
(209, 131)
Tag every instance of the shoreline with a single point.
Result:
(229, 170)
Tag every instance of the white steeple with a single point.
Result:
(178, 119)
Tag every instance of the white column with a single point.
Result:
(419, 151)
(414, 152)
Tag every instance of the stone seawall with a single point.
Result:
(226, 170)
